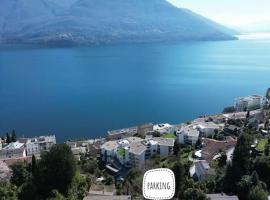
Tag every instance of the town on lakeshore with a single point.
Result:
(204, 154)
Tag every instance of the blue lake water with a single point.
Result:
(83, 92)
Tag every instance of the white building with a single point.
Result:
(249, 102)
(164, 146)
(188, 135)
(77, 151)
(37, 145)
(164, 128)
(203, 170)
(133, 151)
(137, 154)
(207, 128)
(13, 150)
(108, 150)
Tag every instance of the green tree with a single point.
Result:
(247, 183)
(55, 195)
(262, 167)
(20, 174)
(8, 191)
(240, 163)
(222, 160)
(176, 148)
(133, 183)
(267, 150)
(89, 166)
(29, 191)
(228, 181)
(198, 144)
(248, 115)
(8, 139)
(241, 156)
(13, 136)
(156, 134)
(179, 173)
(79, 187)
(34, 163)
(194, 194)
(229, 109)
(243, 187)
(55, 170)
(257, 193)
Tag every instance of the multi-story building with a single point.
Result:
(37, 145)
(108, 150)
(13, 150)
(207, 129)
(164, 146)
(248, 103)
(137, 154)
(164, 128)
(133, 151)
(188, 135)
(144, 129)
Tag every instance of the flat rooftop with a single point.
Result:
(137, 148)
(134, 139)
(190, 130)
(164, 141)
(110, 145)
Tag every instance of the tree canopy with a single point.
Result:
(55, 170)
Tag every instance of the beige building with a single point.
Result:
(145, 128)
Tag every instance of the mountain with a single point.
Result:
(102, 21)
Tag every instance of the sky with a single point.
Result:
(229, 12)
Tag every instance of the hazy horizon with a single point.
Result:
(228, 12)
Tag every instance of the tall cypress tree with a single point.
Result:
(34, 163)
(179, 173)
(241, 156)
(13, 136)
(8, 139)
(240, 163)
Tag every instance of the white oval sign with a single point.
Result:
(159, 184)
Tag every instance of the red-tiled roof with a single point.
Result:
(212, 147)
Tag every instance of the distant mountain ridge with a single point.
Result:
(64, 22)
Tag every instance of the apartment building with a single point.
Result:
(13, 150)
(37, 145)
(207, 129)
(133, 151)
(164, 128)
(248, 103)
(188, 134)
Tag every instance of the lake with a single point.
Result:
(85, 91)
